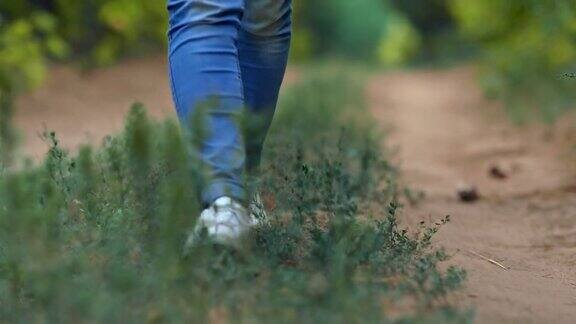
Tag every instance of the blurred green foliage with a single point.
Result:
(24, 44)
(370, 30)
(524, 45)
(103, 30)
(527, 45)
(399, 43)
(95, 32)
(99, 32)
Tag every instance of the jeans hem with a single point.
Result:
(218, 189)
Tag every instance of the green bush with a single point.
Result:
(400, 42)
(527, 46)
(349, 28)
(95, 32)
(104, 30)
(24, 44)
(97, 236)
(358, 30)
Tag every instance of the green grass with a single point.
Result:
(97, 236)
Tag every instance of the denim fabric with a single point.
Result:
(229, 56)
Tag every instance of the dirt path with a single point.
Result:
(448, 135)
(86, 107)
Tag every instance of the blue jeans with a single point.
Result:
(228, 56)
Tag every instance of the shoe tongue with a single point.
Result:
(223, 201)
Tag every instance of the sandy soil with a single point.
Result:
(447, 135)
(85, 107)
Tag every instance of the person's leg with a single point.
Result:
(263, 46)
(204, 71)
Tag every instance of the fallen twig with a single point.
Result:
(494, 262)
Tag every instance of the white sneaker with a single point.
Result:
(225, 222)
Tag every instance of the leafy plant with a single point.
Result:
(359, 30)
(96, 236)
(527, 46)
(24, 44)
